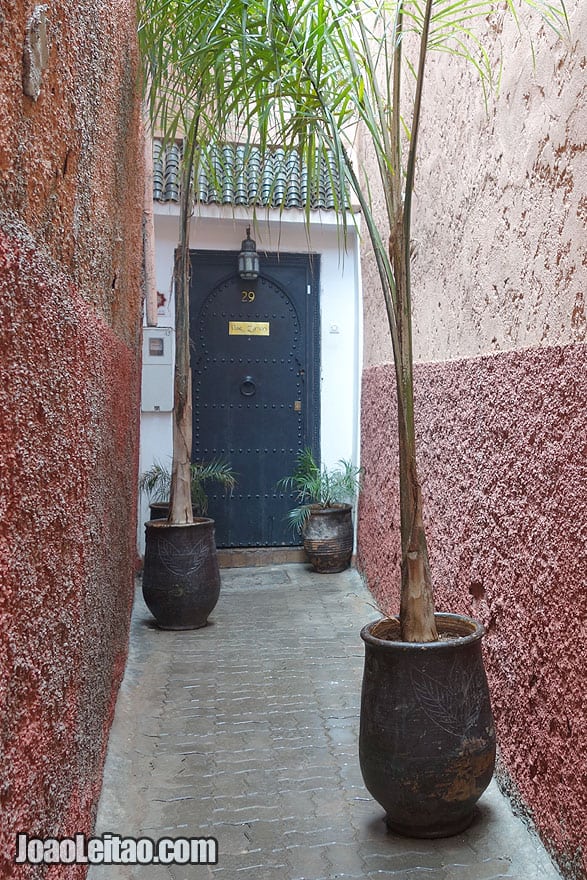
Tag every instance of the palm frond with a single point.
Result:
(324, 487)
(155, 483)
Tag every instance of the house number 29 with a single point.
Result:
(248, 296)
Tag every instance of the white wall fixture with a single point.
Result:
(157, 380)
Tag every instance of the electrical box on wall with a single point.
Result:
(157, 385)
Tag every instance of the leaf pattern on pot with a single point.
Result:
(453, 702)
(181, 563)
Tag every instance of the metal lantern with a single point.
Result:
(248, 259)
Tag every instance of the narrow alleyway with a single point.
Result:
(246, 732)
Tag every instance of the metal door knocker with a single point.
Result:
(248, 387)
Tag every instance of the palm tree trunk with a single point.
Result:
(180, 501)
(417, 600)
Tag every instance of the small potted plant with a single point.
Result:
(155, 483)
(323, 515)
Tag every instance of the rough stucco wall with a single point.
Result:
(70, 310)
(499, 283)
(500, 208)
(502, 258)
(503, 456)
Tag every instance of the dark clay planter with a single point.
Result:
(427, 738)
(328, 538)
(181, 579)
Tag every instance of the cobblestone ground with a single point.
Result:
(246, 731)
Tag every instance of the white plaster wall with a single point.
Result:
(500, 203)
(340, 315)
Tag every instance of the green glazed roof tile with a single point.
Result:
(235, 174)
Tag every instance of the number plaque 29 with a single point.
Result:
(248, 296)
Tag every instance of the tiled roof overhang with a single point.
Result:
(234, 174)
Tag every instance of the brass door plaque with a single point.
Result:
(248, 328)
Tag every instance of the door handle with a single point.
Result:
(248, 387)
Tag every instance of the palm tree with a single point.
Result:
(187, 68)
(314, 73)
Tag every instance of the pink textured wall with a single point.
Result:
(70, 310)
(503, 455)
(499, 276)
(500, 204)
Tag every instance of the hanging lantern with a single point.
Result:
(248, 259)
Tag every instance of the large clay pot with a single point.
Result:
(328, 537)
(181, 579)
(427, 738)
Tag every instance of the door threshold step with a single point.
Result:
(242, 557)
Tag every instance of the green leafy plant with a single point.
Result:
(316, 486)
(155, 483)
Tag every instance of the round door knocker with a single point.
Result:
(248, 387)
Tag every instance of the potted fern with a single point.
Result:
(155, 484)
(323, 514)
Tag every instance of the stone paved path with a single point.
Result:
(246, 731)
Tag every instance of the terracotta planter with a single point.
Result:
(328, 537)
(427, 738)
(181, 579)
